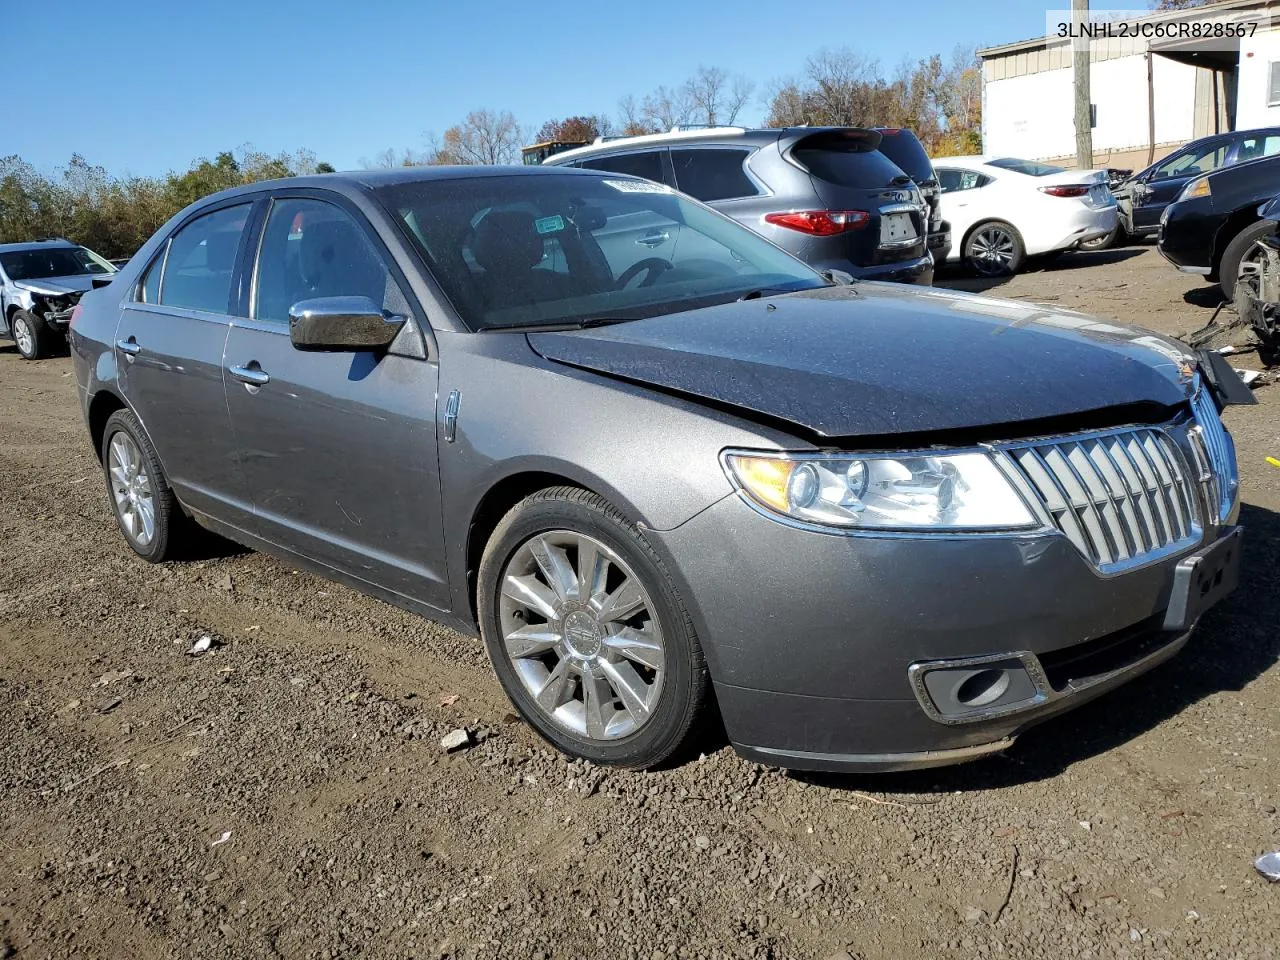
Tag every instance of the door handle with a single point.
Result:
(129, 348)
(654, 239)
(253, 375)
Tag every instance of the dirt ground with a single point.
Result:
(286, 795)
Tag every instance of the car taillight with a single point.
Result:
(820, 223)
(1074, 190)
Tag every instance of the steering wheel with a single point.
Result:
(652, 267)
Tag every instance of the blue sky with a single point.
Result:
(145, 86)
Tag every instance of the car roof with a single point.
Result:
(36, 245)
(726, 136)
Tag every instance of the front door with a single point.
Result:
(169, 345)
(337, 449)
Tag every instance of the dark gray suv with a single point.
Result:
(887, 526)
(826, 195)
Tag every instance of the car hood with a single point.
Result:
(882, 359)
(58, 286)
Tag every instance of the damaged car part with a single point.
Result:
(40, 284)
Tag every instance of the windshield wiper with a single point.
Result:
(584, 324)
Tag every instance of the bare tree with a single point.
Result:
(631, 118)
(715, 97)
(665, 108)
(484, 137)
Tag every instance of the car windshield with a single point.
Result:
(41, 263)
(559, 249)
(1029, 167)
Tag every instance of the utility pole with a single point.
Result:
(1080, 71)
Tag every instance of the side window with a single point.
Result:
(315, 249)
(1252, 148)
(149, 291)
(647, 164)
(202, 259)
(1192, 163)
(712, 174)
(953, 180)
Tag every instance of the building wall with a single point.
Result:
(1031, 115)
(1253, 83)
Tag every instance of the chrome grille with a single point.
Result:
(1122, 497)
(1219, 449)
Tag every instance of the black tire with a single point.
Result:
(684, 689)
(159, 546)
(1229, 266)
(32, 335)
(1101, 243)
(1008, 263)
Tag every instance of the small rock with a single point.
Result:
(106, 706)
(1134, 935)
(456, 740)
(702, 843)
(226, 583)
(974, 914)
(298, 681)
(1086, 825)
(203, 644)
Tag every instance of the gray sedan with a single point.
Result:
(875, 526)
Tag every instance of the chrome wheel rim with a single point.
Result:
(991, 250)
(22, 336)
(582, 634)
(131, 490)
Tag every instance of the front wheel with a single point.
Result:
(1241, 250)
(994, 249)
(32, 335)
(586, 633)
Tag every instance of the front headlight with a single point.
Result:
(1199, 187)
(960, 491)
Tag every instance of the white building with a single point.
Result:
(1149, 96)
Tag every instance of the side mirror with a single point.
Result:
(341, 324)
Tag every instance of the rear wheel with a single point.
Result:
(586, 633)
(994, 249)
(143, 503)
(32, 335)
(1242, 249)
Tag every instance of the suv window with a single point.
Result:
(1252, 148)
(907, 153)
(647, 164)
(712, 174)
(202, 260)
(1189, 163)
(311, 249)
(953, 179)
(846, 165)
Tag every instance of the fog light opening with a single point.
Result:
(983, 688)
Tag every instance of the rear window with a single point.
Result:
(846, 161)
(1029, 167)
(906, 152)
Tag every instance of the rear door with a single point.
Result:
(337, 449)
(169, 346)
(848, 174)
(1168, 178)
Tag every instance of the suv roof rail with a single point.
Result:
(676, 132)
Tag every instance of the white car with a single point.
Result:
(1003, 210)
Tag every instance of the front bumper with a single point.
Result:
(812, 638)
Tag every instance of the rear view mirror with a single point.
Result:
(589, 218)
(341, 324)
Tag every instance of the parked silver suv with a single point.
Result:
(40, 284)
(824, 194)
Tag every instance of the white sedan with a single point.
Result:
(1003, 210)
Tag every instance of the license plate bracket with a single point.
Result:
(896, 228)
(1202, 579)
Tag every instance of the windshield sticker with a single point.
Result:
(552, 224)
(638, 186)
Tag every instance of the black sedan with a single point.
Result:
(1215, 223)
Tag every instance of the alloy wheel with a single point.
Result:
(991, 250)
(131, 490)
(583, 635)
(23, 336)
